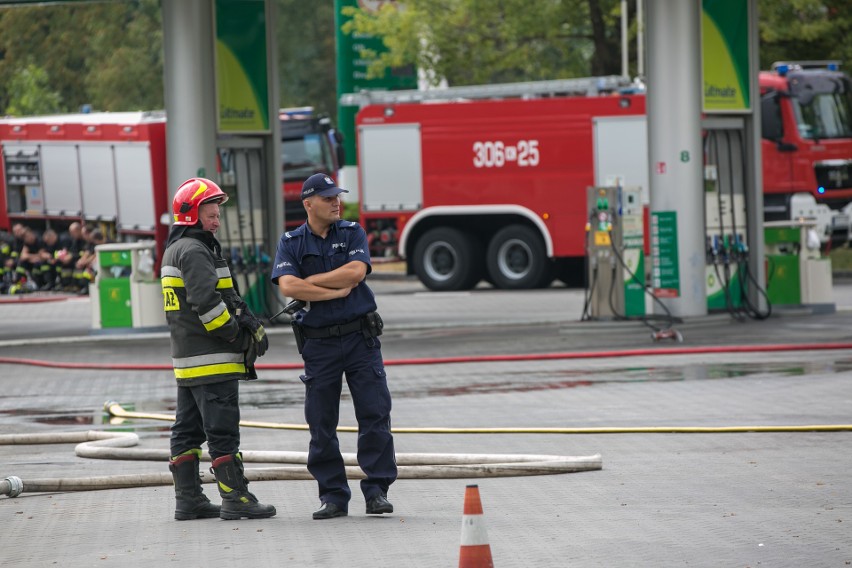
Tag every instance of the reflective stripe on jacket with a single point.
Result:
(197, 289)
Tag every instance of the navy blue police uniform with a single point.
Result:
(336, 343)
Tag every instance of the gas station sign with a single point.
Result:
(352, 69)
(665, 273)
(242, 85)
(725, 56)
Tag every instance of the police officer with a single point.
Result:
(215, 341)
(324, 263)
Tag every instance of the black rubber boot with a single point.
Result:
(237, 502)
(190, 501)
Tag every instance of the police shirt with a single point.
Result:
(302, 253)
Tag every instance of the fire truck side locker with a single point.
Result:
(621, 152)
(391, 165)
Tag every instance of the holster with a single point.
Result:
(372, 325)
(297, 333)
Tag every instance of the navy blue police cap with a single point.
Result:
(322, 185)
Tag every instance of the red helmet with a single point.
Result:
(190, 195)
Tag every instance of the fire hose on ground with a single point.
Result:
(120, 445)
(603, 354)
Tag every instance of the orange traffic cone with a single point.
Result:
(475, 551)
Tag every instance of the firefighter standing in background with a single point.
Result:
(324, 262)
(215, 340)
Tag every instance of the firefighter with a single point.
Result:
(28, 262)
(324, 262)
(215, 341)
(6, 242)
(48, 255)
(72, 245)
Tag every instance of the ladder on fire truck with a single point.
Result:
(589, 86)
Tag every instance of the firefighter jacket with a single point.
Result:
(197, 290)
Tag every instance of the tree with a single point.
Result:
(105, 54)
(126, 59)
(480, 41)
(306, 55)
(109, 54)
(804, 30)
(30, 94)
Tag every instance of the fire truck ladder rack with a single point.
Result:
(589, 86)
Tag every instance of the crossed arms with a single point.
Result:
(330, 285)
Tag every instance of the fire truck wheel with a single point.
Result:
(517, 260)
(448, 259)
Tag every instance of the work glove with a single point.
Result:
(250, 323)
(260, 341)
(250, 358)
(243, 339)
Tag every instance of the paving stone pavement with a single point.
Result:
(741, 499)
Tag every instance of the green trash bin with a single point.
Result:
(114, 270)
(796, 272)
(126, 292)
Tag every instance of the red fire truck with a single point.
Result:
(106, 168)
(806, 119)
(110, 168)
(490, 182)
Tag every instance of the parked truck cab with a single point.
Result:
(309, 145)
(806, 117)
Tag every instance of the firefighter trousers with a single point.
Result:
(208, 413)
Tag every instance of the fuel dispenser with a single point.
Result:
(726, 231)
(615, 254)
(247, 229)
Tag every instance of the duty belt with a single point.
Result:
(332, 330)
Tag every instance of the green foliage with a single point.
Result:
(306, 54)
(479, 41)
(109, 54)
(105, 54)
(350, 211)
(805, 30)
(30, 94)
(468, 42)
(841, 259)
(127, 59)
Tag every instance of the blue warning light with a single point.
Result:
(820, 189)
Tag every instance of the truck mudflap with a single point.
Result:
(840, 227)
